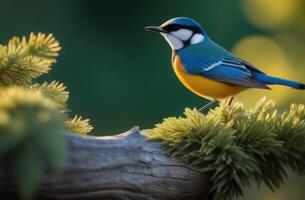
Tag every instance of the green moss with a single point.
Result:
(238, 146)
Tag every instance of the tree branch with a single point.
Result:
(124, 166)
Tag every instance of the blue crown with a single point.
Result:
(184, 22)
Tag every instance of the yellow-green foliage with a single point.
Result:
(33, 117)
(32, 131)
(78, 125)
(16, 117)
(22, 60)
(55, 91)
(237, 145)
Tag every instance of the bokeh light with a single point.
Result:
(271, 14)
(269, 57)
(293, 45)
(278, 50)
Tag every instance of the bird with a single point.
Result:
(207, 69)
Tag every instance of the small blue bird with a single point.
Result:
(206, 68)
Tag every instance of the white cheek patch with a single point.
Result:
(197, 38)
(175, 43)
(182, 34)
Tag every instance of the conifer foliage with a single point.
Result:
(238, 146)
(33, 116)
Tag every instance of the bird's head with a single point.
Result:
(180, 32)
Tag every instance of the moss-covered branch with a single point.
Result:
(238, 146)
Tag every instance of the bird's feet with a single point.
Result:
(230, 101)
(207, 106)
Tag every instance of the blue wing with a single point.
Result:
(231, 70)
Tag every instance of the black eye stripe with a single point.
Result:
(175, 27)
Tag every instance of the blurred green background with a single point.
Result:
(120, 76)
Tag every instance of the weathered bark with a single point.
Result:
(124, 166)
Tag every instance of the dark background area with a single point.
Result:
(120, 76)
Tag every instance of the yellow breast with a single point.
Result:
(204, 87)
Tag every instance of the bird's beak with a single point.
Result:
(157, 29)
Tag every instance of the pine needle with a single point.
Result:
(78, 125)
(56, 91)
(22, 60)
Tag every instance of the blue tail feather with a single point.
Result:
(269, 80)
